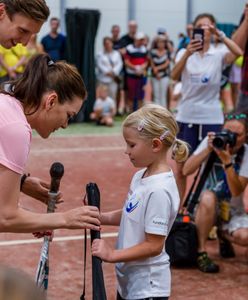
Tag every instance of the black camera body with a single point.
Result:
(224, 138)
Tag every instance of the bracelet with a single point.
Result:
(221, 35)
(23, 178)
(228, 165)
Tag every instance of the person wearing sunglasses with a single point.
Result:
(222, 202)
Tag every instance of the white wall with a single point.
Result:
(153, 14)
(112, 12)
(150, 14)
(225, 11)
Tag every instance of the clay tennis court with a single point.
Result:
(101, 159)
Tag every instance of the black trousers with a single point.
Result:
(150, 298)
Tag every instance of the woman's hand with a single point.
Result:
(38, 189)
(83, 217)
(224, 155)
(193, 46)
(211, 136)
(101, 249)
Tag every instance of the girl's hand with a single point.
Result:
(193, 46)
(101, 249)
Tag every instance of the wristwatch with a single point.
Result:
(228, 165)
(221, 35)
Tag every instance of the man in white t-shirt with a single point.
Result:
(224, 188)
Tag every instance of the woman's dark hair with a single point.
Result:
(239, 115)
(204, 15)
(43, 75)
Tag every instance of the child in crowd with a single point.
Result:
(104, 108)
(142, 264)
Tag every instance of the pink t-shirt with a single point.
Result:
(15, 134)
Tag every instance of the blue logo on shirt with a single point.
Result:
(131, 207)
(205, 79)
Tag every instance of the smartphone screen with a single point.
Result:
(198, 34)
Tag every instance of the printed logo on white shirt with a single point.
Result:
(199, 79)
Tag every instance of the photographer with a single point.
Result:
(200, 67)
(222, 195)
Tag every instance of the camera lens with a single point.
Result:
(219, 142)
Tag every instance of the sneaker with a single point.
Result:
(225, 247)
(205, 264)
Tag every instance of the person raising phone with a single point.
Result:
(200, 66)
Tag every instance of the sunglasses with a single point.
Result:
(235, 117)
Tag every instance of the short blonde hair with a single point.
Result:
(155, 121)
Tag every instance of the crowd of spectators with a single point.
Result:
(189, 79)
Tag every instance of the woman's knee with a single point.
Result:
(208, 200)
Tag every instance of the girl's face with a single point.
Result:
(204, 24)
(238, 128)
(53, 115)
(138, 149)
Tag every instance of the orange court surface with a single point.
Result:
(101, 159)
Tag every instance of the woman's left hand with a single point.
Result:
(224, 155)
(215, 31)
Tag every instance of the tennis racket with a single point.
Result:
(42, 273)
(98, 286)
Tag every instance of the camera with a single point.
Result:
(223, 138)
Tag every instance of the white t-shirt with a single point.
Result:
(151, 207)
(236, 202)
(201, 78)
(15, 134)
(107, 105)
(106, 63)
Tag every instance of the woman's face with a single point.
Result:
(204, 24)
(53, 115)
(238, 128)
(161, 44)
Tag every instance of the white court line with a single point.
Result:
(74, 149)
(55, 239)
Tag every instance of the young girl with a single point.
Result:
(150, 209)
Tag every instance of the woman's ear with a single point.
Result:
(51, 100)
(157, 145)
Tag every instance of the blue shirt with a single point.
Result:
(55, 47)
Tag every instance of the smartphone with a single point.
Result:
(198, 34)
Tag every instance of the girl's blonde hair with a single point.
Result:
(155, 121)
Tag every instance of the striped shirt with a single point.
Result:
(136, 56)
(160, 60)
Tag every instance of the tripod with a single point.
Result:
(193, 198)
